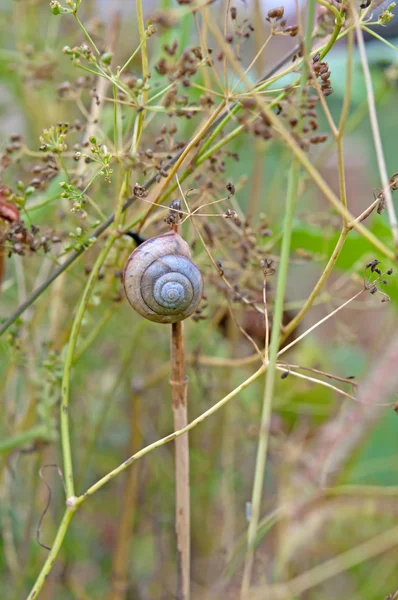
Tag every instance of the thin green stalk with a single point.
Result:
(65, 390)
(376, 131)
(332, 8)
(66, 379)
(104, 480)
(103, 226)
(291, 326)
(48, 565)
(379, 37)
(270, 380)
(205, 151)
(92, 336)
(343, 197)
(144, 61)
(338, 25)
(86, 33)
(128, 61)
(347, 96)
(218, 129)
(31, 208)
(262, 448)
(40, 432)
(115, 121)
(203, 156)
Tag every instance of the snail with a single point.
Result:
(161, 282)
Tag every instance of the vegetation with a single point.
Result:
(268, 141)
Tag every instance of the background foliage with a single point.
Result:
(74, 148)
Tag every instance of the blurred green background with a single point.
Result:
(120, 398)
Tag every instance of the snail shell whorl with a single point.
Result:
(161, 282)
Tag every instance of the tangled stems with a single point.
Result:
(208, 149)
(73, 503)
(263, 438)
(65, 391)
(204, 153)
(346, 228)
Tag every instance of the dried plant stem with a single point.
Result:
(263, 438)
(179, 391)
(346, 227)
(375, 130)
(291, 326)
(181, 157)
(270, 380)
(215, 128)
(330, 568)
(138, 126)
(168, 438)
(301, 155)
(65, 389)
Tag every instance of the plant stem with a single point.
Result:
(343, 197)
(168, 438)
(313, 577)
(270, 380)
(65, 390)
(376, 131)
(48, 565)
(263, 437)
(103, 226)
(40, 432)
(179, 391)
(86, 33)
(291, 326)
(180, 159)
(144, 61)
(64, 419)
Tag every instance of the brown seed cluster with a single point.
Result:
(42, 173)
(279, 24)
(183, 68)
(303, 130)
(374, 277)
(159, 156)
(180, 72)
(11, 151)
(321, 70)
(17, 239)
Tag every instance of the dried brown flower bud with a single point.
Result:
(276, 13)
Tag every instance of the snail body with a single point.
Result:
(160, 280)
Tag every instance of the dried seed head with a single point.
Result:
(292, 30)
(276, 13)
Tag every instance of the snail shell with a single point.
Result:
(161, 282)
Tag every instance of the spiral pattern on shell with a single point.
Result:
(161, 282)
